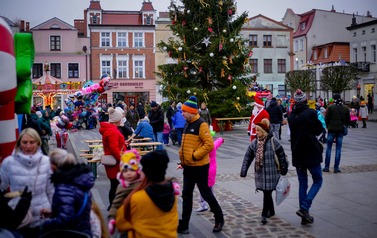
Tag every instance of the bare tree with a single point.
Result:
(300, 79)
(338, 78)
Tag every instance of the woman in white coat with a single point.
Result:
(27, 166)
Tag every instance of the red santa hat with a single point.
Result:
(258, 102)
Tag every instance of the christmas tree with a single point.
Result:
(212, 59)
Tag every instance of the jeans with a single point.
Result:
(275, 130)
(330, 140)
(179, 135)
(166, 138)
(158, 137)
(197, 175)
(306, 198)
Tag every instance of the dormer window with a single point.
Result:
(303, 26)
(325, 53)
(55, 26)
(363, 32)
(95, 20)
(354, 34)
(148, 20)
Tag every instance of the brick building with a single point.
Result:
(122, 45)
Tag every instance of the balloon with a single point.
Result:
(105, 80)
(100, 89)
(69, 126)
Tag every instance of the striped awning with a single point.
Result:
(47, 78)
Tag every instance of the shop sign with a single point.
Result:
(127, 84)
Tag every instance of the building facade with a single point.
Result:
(272, 51)
(122, 44)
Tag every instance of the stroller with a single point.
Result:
(174, 136)
(354, 119)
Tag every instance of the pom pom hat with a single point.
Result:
(114, 115)
(191, 105)
(264, 125)
(258, 103)
(130, 160)
(300, 96)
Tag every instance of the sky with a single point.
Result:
(39, 11)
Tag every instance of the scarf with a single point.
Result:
(259, 154)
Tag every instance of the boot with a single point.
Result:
(203, 207)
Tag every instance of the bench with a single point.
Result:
(85, 151)
(145, 145)
(229, 119)
(143, 139)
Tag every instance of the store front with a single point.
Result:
(131, 97)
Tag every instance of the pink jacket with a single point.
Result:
(212, 162)
(354, 118)
(166, 129)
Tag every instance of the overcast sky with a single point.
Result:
(38, 11)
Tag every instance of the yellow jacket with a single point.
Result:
(147, 220)
(311, 104)
(196, 143)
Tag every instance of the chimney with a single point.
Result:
(353, 20)
(27, 26)
(332, 8)
(22, 25)
(368, 14)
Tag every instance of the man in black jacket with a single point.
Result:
(156, 119)
(169, 114)
(276, 117)
(140, 110)
(306, 152)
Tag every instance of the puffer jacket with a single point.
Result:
(321, 119)
(46, 120)
(71, 183)
(42, 125)
(267, 176)
(19, 170)
(156, 119)
(363, 112)
(113, 142)
(144, 129)
(196, 144)
(204, 113)
(212, 162)
(275, 112)
(333, 119)
(178, 119)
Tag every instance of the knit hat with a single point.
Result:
(39, 114)
(171, 102)
(273, 99)
(114, 115)
(300, 96)
(258, 102)
(155, 164)
(130, 160)
(179, 105)
(264, 125)
(331, 101)
(191, 105)
(318, 104)
(322, 110)
(153, 104)
(119, 109)
(336, 96)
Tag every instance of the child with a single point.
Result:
(363, 113)
(211, 173)
(74, 123)
(321, 118)
(129, 178)
(166, 133)
(353, 118)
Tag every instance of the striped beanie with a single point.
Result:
(191, 105)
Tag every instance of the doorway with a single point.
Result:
(103, 99)
(131, 98)
(368, 89)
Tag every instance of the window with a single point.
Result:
(296, 45)
(105, 67)
(302, 44)
(373, 30)
(301, 63)
(148, 20)
(281, 65)
(315, 55)
(254, 65)
(303, 26)
(290, 24)
(282, 91)
(139, 69)
(95, 20)
(37, 70)
(73, 70)
(55, 43)
(267, 40)
(325, 53)
(373, 54)
(268, 65)
(363, 32)
(105, 38)
(138, 39)
(364, 54)
(122, 39)
(122, 69)
(355, 54)
(55, 69)
(354, 34)
(253, 40)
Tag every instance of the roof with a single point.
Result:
(335, 50)
(47, 78)
(9, 22)
(95, 5)
(308, 18)
(147, 6)
(43, 25)
(269, 19)
(368, 23)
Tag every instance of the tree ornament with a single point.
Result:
(206, 41)
(195, 29)
(207, 77)
(175, 18)
(210, 21)
(238, 98)
(222, 73)
(184, 55)
(170, 53)
(210, 29)
(188, 91)
(183, 22)
(231, 40)
(184, 39)
(188, 11)
(224, 31)
(226, 64)
(230, 60)
(179, 48)
(230, 78)
(177, 34)
(203, 3)
(194, 73)
(230, 12)
(234, 87)
(200, 69)
(194, 93)
(165, 48)
(250, 53)
(211, 54)
(238, 106)
(205, 96)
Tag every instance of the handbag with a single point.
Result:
(97, 153)
(109, 160)
(345, 129)
(282, 189)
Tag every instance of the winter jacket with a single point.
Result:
(141, 111)
(144, 129)
(46, 120)
(71, 183)
(156, 119)
(170, 113)
(10, 219)
(355, 104)
(334, 120)
(45, 128)
(204, 113)
(133, 119)
(178, 119)
(121, 194)
(29, 122)
(305, 126)
(126, 129)
(19, 170)
(275, 112)
(166, 129)
(113, 142)
(153, 213)
(321, 119)
(196, 143)
(363, 112)
(212, 162)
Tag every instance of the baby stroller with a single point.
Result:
(174, 136)
(354, 119)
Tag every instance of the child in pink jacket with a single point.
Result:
(165, 133)
(212, 173)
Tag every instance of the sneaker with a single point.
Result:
(303, 221)
(325, 170)
(218, 226)
(337, 171)
(305, 215)
(203, 207)
(183, 230)
(264, 220)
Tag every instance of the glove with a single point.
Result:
(176, 188)
(248, 133)
(179, 166)
(111, 226)
(26, 194)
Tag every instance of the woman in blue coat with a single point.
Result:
(72, 199)
(144, 129)
(179, 122)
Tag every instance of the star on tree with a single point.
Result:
(206, 41)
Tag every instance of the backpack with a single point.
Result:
(200, 110)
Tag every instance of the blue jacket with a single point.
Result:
(178, 119)
(144, 129)
(71, 183)
(321, 119)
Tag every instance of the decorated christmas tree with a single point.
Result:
(211, 58)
